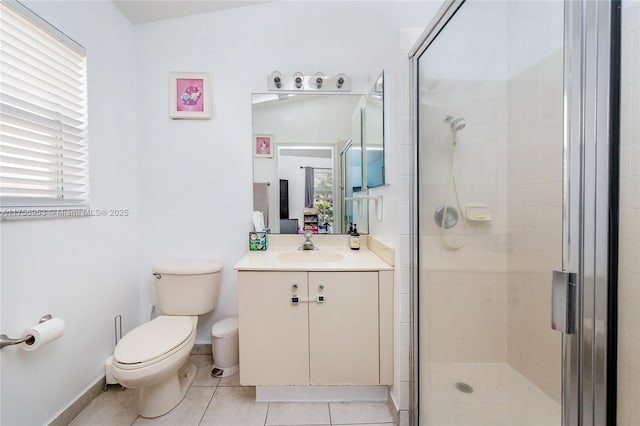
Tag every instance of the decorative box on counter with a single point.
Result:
(258, 240)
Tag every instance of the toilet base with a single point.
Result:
(157, 400)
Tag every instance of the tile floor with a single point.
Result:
(215, 401)
(500, 397)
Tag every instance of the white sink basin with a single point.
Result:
(310, 256)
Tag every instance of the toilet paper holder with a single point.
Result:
(7, 341)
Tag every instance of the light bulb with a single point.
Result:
(276, 76)
(298, 80)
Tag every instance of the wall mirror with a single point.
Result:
(373, 135)
(314, 164)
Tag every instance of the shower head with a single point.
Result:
(456, 123)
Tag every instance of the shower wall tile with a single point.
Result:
(406, 152)
(404, 276)
(405, 136)
(466, 316)
(629, 244)
(534, 223)
(465, 293)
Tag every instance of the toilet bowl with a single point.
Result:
(154, 357)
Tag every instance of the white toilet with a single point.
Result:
(154, 356)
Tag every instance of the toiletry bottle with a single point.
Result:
(350, 229)
(354, 239)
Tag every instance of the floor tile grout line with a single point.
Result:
(267, 414)
(209, 404)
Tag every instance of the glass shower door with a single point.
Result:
(512, 108)
(490, 224)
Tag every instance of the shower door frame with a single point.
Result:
(590, 206)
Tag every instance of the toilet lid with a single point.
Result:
(153, 339)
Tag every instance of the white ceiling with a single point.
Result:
(141, 11)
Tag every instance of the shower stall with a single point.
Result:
(521, 111)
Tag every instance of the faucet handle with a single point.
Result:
(308, 233)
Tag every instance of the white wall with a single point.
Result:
(187, 183)
(468, 44)
(196, 175)
(506, 26)
(187, 167)
(306, 119)
(395, 229)
(524, 19)
(83, 270)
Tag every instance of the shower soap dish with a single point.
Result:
(478, 213)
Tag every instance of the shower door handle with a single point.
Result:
(563, 302)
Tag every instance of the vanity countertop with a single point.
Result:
(329, 257)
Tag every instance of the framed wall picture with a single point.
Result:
(189, 95)
(263, 146)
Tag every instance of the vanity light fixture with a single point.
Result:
(299, 82)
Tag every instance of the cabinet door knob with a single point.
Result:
(295, 299)
(294, 286)
(321, 287)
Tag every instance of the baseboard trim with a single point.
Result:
(201, 349)
(318, 393)
(69, 413)
(79, 404)
(393, 408)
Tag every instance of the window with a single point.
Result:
(323, 198)
(43, 117)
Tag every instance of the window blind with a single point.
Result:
(43, 116)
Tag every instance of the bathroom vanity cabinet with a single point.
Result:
(316, 327)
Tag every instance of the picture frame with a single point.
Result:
(263, 146)
(189, 95)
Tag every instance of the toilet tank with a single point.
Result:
(187, 288)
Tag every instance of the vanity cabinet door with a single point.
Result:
(343, 330)
(274, 340)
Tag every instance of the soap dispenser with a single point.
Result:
(354, 238)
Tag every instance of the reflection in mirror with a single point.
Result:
(373, 134)
(307, 192)
(355, 212)
(351, 167)
(302, 186)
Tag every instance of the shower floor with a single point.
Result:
(501, 397)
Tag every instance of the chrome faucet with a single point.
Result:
(308, 244)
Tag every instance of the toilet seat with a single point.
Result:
(154, 341)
